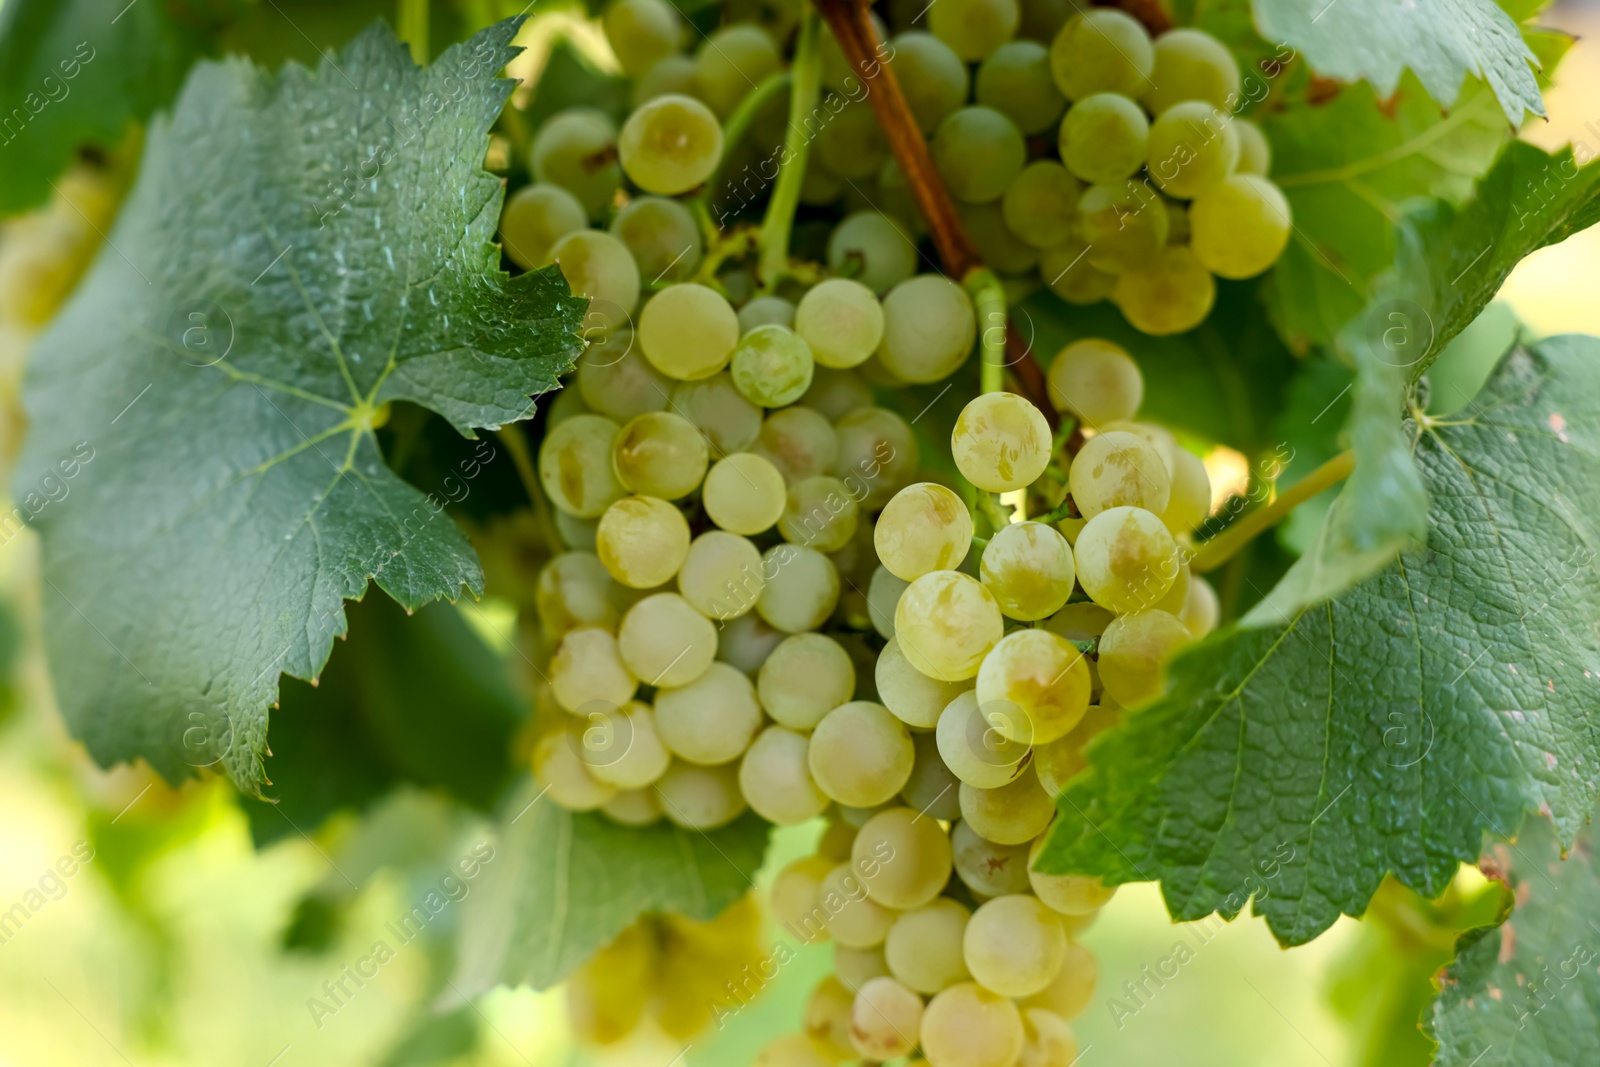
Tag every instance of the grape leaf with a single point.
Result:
(1443, 41)
(564, 884)
(1386, 729)
(299, 250)
(1527, 992)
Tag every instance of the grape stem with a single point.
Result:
(1217, 551)
(989, 301)
(411, 20)
(738, 125)
(805, 87)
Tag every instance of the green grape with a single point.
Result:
(621, 746)
(688, 331)
(834, 392)
(923, 947)
(805, 677)
(999, 248)
(1069, 992)
(973, 747)
(1016, 81)
(535, 218)
(931, 74)
(1066, 894)
(1173, 602)
(874, 248)
(633, 807)
(966, 1025)
(1028, 568)
(642, 541)
(615, 380)
(852, 144)
(920, 851)
(1201, 610)
(1177, 222)
(730, 422)
(711, 719)
(974, 28)
(884, 1020)
(1040, 205)
(1043, 19)
(1124, 225)
(575, 590)
(1158, 437)
(1118, 469)
(660, 455)
(1171, 293)
(1014, 945)
(1134, 652)
(731, 62)
(672, 76)
(926, 527)
(1190, 500)
(1126, 559)
(576, 533)
(1239, 228)
(932, 789)
(599, 266)
(1193, 147)
(896, 199)
(1255, 152)
(913, 697)
(802, 588)
(799, 441)
(861, 755)
(556, 765)
(662, 235)
(1040, 679)
(1097, 381)
(586, 668)
(837, 73)
(946, 624)
(1012, 814)
(772, 366)
(747, 641)
(819, 513)
(979, 153)
(1066, 270)
(721, 575)
(766, 311)
(794, 897)
(929, 328)
(820, 187)
(883, 594)
(987, 868)
(641, 33)
(700, 798)
(877, 450)
(665, 642)
(744, 494)
(843, 323)
(575, 465)
(1102, 51)
(670, 144)
(1047, 1039)
(1192, 65)
(1104, 138)
(794, 1050)
(577, 150)
(860, 923)
(1000, 442)
(1056, 763)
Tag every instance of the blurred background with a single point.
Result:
(176, 943)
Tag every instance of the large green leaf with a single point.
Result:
(1387, 729)
(1527, 993)
(565, 884)
(299, 250)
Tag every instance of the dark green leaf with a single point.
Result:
(1387, 729)
(299, 251)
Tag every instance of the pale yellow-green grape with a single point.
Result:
(1040, 205)
(1012, 814)
(805, 677)
(666, 642)
(600, 267)
(621, 747)
(1014, 945)
(577, 534)
(1083, 621)
(979, 152)
(914, 698)
(1178, 595)
(1240, 227)
(802, 588)
(903, 857)
(711, 720)
(855, 967)
(659, 454)
(575, 465)
(1118, 469)
(923, 947)
(1001, 442)
(1057, 762)
(1170, 293)
(1123, 223)
(1104, 138)
(721, 575)
(1201, 609)
(858, 817)
(842, 321)
(1069, 894)
(1028, 568)
(577, 150)
(615, 380)
(1255, 151)
(1044, 677)
(969, 1026)
(926, 527)
(1190, 501)
(826, 1019)
(853, 919)
(574, 590)
(766, 311)
(587, 668)
(820, 513)
(772, 366)
(873, 248)
(799, 441)
(1126, 559)
(988, 868)
(836, 841)
(946, 622)
(1193, 147)
(885, 1019)
(861, 755)
(633, 807)
(744, 493)
(851, 144)
(568, 402)
(1000, 248)
(794, 1050)
(1047, 1040)
(1134, 652)
(883, 595)
(1066, 270)
(931, 74)
(535, 218)
(672, 76)
(670, 144)
(931, 789)
(974, 28)
(972, 746)
(1015, 80)
(556, 765)
(641, 32)
(700, 798)
(733, 60)
(747, 641)
(1159, 437)
(730, 422)
(642, 541)
(1192, 65)
(662, 236)
(688, 331)
(1074, 983)
(1102, 51)
(794, 892)
(776, 780)
(877, 452)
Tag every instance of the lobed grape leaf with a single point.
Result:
(1387, 729)
(566, 883)
(299, 250)
(1527, 991)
